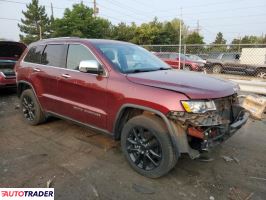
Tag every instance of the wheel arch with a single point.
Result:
(121, 119)
(23, 85)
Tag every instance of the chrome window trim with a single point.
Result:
(105, 74)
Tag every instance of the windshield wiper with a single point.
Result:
(164, 68)
(148, 70)
(140, 70)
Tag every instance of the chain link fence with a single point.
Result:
(242, 60)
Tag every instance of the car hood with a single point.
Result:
(195, 85)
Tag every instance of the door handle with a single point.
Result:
(36, 69)
(65, 75)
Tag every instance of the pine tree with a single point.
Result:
(36, 24)
(219, 39)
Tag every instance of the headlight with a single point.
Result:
(198, 106)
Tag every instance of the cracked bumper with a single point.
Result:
(200, 132)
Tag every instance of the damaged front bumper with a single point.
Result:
(200, 132)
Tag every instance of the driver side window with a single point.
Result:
(77, 53)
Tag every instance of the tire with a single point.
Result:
(187, 68)
(30, 108)
(217, 69)
(261, 73)
(156, 145)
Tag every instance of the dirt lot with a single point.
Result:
(83, 165)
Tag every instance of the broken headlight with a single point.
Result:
(200, 106)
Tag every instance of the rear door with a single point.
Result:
(231, 63)
(82, 95)
(45, 75)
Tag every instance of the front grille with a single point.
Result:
(7, 69)
(224, 107)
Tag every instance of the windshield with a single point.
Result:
(194, 57)
(129, 58)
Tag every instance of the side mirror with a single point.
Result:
(90, 66)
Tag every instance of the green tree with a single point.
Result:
(194, 38)
(79, 21)
(219, 39)
(124, 32)
(147, 33)
(36, 24)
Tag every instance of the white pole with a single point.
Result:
(180, 32)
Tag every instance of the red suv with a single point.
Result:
(172, 59)
(123, 90)
(9, 54)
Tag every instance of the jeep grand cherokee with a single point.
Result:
(123, 90)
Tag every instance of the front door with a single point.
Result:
(82, 95)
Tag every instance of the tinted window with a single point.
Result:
(163, 55)
(54, 55)
(77, 53)
(229, 57)
(34, 54)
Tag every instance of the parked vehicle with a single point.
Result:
(236, 62)
(123, 90)
(196, 59)
(9, 54)
(172, 59)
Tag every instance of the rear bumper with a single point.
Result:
(7, 81)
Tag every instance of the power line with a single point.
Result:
(12, 19)
(24, 3)
(119, 12)
(223, 10)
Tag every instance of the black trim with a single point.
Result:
(104, 131)
(165, 119)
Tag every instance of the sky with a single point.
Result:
(234, 18)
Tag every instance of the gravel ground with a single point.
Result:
(85, 165)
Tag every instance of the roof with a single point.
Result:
(77, 39)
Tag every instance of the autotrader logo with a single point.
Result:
(26, 193)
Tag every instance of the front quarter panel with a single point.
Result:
(121, 91)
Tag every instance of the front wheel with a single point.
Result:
(30, 108)
(217, 69)
(147, 146)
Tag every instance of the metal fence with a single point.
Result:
(242, 60)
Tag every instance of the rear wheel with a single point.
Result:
(261, 73)
(217, 69)
(187, 68)
(30, 108)
(147, 146)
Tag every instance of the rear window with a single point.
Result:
(54, 55)
(162, 55)
(34, 54)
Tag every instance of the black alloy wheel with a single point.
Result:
(143, 148)
(147, 146)
(28, 108)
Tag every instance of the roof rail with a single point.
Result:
(61, 38)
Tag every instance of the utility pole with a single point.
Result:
(52, 11)
(40, 30)
(95, 9)
(198, 26)
(180, 33)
